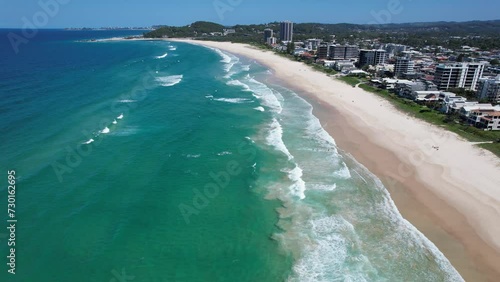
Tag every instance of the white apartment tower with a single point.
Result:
(458, 75)
(489, 89)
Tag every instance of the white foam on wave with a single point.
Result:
(319, 142)
(120, 116)
(315, 129)
(235, 67)
(127, 101)
(260, 109)
(225, 58)
(259, 91)
(89, 141)
(162, 56)
(172, 48)
(240, 84)
(170, 80)
(209, 96)
(299, 186)
(224, 153)
(344, 172)
(228, 60)
(193, 156)
(105, 130)
(330, 257)
(265, 94)
(404, 227)
(115, 122)
(323, 187)
(275, 138)
(234, 100)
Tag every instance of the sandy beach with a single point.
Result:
(451, 194)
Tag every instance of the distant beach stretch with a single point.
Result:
(445, 186)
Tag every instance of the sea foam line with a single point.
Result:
(275, 138)
(171, 80)
(234, 100)
(259, 91)
(228, 60)
(298, 187)
(162, 56)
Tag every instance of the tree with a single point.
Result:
(495, 62)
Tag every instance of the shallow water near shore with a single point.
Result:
(167, 161)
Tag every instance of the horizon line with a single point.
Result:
(360, 24)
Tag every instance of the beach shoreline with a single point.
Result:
(449, 193)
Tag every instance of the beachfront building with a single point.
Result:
(388, 83)
(299, 51)
(442, 99)
(229, 31)
(489, 89)
(323, 51)
(268, 33)
(286, 31)
(344, 66)
(271, 41)
(451, 102)
(403, 66)
(458, 75)
(425, 96)
(313, 44)
(469, 107)
(371, 57)
(404, 87)
(485, 119)
(343, 52)
(394, 49)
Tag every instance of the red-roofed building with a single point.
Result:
(487, 119)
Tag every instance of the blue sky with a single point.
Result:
(97, 13)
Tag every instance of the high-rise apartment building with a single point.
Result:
(268, 33)
(403, 65)
(489, 89)
(371, 57)
(313, 44)
(323, 50)
(458, 75)
(286, 31)
(343, 52)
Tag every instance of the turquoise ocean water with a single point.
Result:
(163, 161)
